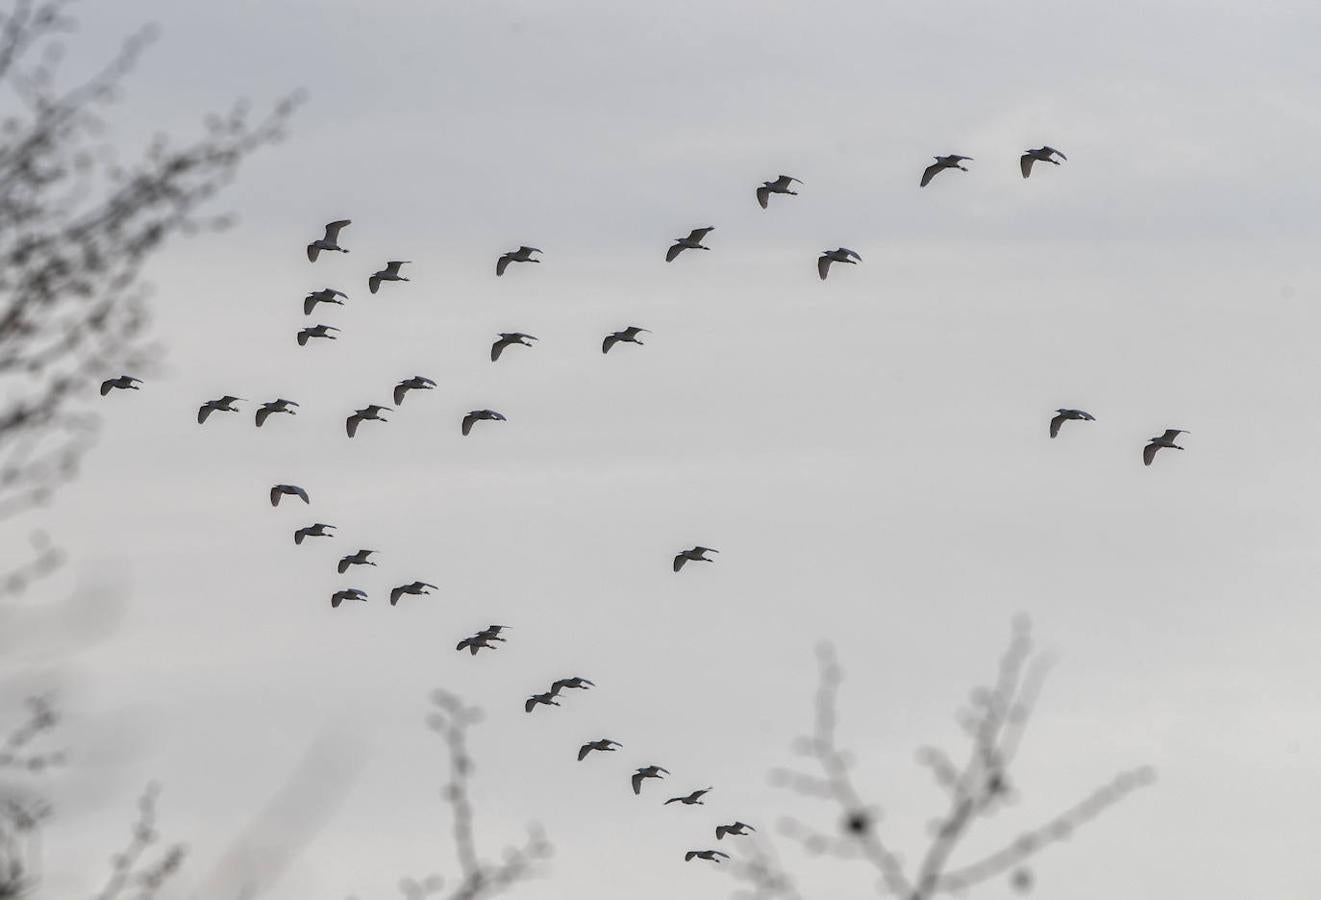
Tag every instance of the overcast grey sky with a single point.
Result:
(869, 454)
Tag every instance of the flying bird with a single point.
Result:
(738, 828)
(713, 855)
(604, 745)
(329, 243)
(417, 587)
(325, 295)
(275, 406)
(371, 413)
(122, 383)
(492, 632)
(629, 336)
(1062, 415)
(317, 530)
(693, 799)
(475, 643)
(692, 242)
(546, 699)
(280, 490)
(416, 383)
(510, 339)
(574, 682)
(693, 555)
(316, 331)
(1041, 154)
(224, 404)
(1156, 443)
(941, 163)
(778, 186)
(348, 594)
(357, 558)
(522, 254)
(478, 415)
(644, 773)
(842, 255)
(389, 273)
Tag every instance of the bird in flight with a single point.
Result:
(546, 699)
(1164, 440)
(693, 555)
(492, 632)
(389, 273)
(476, 642)
(417, 587)
(275, 406)
(347, 594)
(122, 383)
(842, 255)
(692, 242)
(738, 828)
(1041, 154)
(574, 682)
(280, 490)
(325, 295)
(604, 745)
(357, 558)
(629, 336)
(317, 530)
(224, 404)
(510, 339)
(943, 162)
(370, 413)
(644, 773)
(329, 243)
(522, 254)
(693, 799)
(416, 383)
(713, 855)
(1063, 415)
(316, 331)
(778, 186)
(478, 415)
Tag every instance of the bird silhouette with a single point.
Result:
(1164, 440)
(417, 587)
(475, 643)
(510, 339)
(480, 415)
(224, 404)
(570, 683)
(522, 254)
(1041, 154)
(325, 295)
(356, 558)
(692, 242)
(842, 255)
(713, 855)
(628, 336)
(316, 331)
(693, 799)
(943, 162)
(317, 530)
(546, 699)
(330, 242)
(778, 186)
(275, 406)
(738, 828)
(644, 773)
(389, 273)
(605, 745)
(492, 632)
(370, 413)
(1063, 415)
(121, 383)
(347, 594)
(693, 555)
(280, 490)
(416, 383)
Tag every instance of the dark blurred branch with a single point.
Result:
(130, 870)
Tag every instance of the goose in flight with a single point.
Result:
(357, 558)
(943, 162)
(693, 555)
(275, 406)
(316, 331)
(416, 383)
(1041, 154)
(842, 255)
(371, 413)
(417, 587)
(510, 339)
(389, 273)
(278, 492)
(325, 295)
(778, 186)
(738, 828)
(122, 383)
(604, 745)
(547, 699)
(713, 855)
(224, 404)
(522, 254)
(692, 242)
(478, 415)
(1164, 440)
(574, 682)
(644, 773)
(693, 799)
(475, 643)
(1062, 415)
(347, 594)
(329, 243)
(629, 336)
(317, 530)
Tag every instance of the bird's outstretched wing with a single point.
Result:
(1055, 424)
(399, 391)
(531, 702)
(853, 253)
(313, 251)
(823, 266)
(374, 283)
(763, 196)
(302, 338)
(721, 831)
(333, 229)
(202, 412)
(930, 173)
(610, 341)
(262, 413)
(336, 599)
(1172, 433)
(395, 594)
(1025, 164)
(467, 423)
(501, 264)
(309, 304)
(497, 348)
(276, 493)
(675, 250)
(1049, 149)
(688, 857)
(679, 561)
(637, 782)
(351, 424)
(106, 386)
(583, 751)
(299, 535)
(1149, 453)
(697, 234)
(342, 566)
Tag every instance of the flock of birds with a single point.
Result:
(490, 637)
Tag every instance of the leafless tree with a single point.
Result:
(994, 722)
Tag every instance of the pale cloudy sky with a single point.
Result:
(869, 454)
